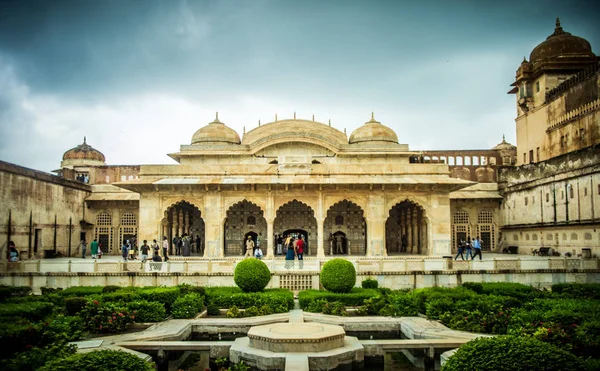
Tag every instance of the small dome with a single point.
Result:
(373, 131)
(504, 145)
(84, 152)
(216, 132)
(561, 44)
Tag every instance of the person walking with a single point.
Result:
(279, 241)
(291, 253)
(176, 244)
(477, 248)
(13, 254)
(461, 249)
(145, 249)
(468, 248)
(94, 249)
(83, 248)
(258, 254)
(249, 247)
(125, 251)
(165, 247)
(300, 247)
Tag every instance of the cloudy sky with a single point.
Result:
(138, 78)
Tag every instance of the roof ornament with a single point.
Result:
(344, 131)
(217, 119)
(258, 122)
(244, 128)
(294, 115)
(503, 138)
(84, 140)
(313, 117)
(558, 30)
(275, 117)
(329, 122)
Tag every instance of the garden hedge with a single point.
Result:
(280, 300)
(338, 275)
(251, 275)
(355, 297)
(103, 360)
(510, 353)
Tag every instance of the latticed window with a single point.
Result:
(461, 217)
(104, 218)
(129, 219)
(485, 217)
(251, 220)
(339, 220)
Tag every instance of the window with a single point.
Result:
(461, 217)
(582, 134)
(562, 195)
(339, 220)
(524, 158)
(585, 191)
(547, 197)
(251, 220)
(537, 86)
(525, 201)
(531, 159)
(537, 153)
(570, 191)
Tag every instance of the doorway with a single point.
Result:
(254, 237)
(340, 243)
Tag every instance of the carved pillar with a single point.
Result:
(270, 239)
(320, 227)
(415, 238)
(409, 228)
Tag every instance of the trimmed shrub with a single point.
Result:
(164, 295)
(185, 289)
(74, 305)
(50, 290)
(188, 306)
(61, 329)
(34, 311)
(213, 310)
(578, 290)
(147, 311)
(81, 291)
(355, 297)
(106, 317)
(34, 358)
(103, 360)
(280, 300)
(251, 312)
(251, 275)
(369, 284)
(234, 312)
(509, 353)
(110, 288)
(11, 291)
(338, 275)
(16, 334)
(124, 296)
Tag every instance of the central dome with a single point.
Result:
(84, 152)
(561, 44)
(295, 130)
(216, 132)
(373, 131)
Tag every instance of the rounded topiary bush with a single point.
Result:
(511, 353)
(338, 275)
(251, 275)
(105, 360)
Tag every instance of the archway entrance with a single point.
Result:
(339, 244)
(243, 219)
(183, 218)
(298, 217)
(347, 218)
(406, 229)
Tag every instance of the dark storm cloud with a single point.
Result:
(441, 64)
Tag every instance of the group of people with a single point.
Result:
(95, 249)
(130, 250)
(185, 245)
(253, 249)
(13, 254)
(471, 246)
(292, 246)
(83, 178)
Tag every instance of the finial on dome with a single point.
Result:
(84, 140)
(216, 121)
(294, 115)
(313, 117)
(558, 29)
(275, 117)
(344, 131)
(258, 122)
(244, 128)
(372, 116)
(329, 122)
(503, 138)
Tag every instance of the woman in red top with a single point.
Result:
(300, 251)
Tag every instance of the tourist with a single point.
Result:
(173, 245)
(165, 247)
(130, 250)
(279, 242)
(94, 249)
(144, 249)
(286, 243)
(404, 243)
(198, 244)
(258, 241)
(180, 244)
(468, 248)
(461, 249)
(125, 250)
(249, 247)
(99, 250)
(13, 254)
(339, 244)
(258, 254)
(156, 258)
(83, 248)
(154, 246)
(291, 253)
(300, 246)
(186, 245)
(477, 248)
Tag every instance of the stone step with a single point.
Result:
(296, 362)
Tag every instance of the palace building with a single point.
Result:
(302, 177)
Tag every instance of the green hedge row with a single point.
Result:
(280, 300)
(355, 297)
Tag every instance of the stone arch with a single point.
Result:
(297, 215)
(237, 227)
(229, 202)
(183, 217)
(360, 201)
(353, 228)
(406, 228)
(168, 203)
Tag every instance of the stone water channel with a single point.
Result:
(294, 341)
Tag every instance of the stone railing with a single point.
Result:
(387, 265)
(574, 114)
